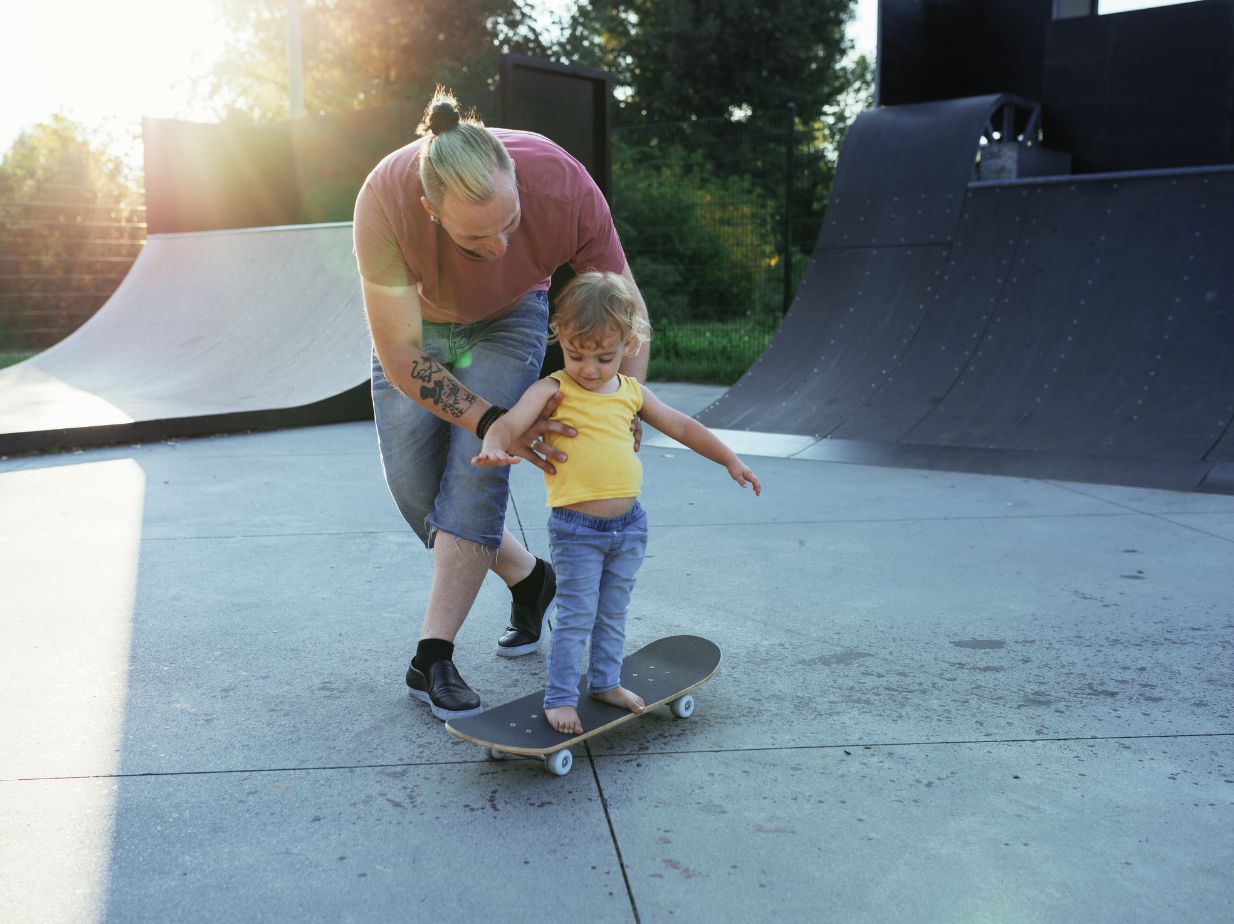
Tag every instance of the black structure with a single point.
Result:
(1139, 90)
(1043, 324)
(941, 49)
(202, 177)
(217, 177)
(572, 106)
(1142, 90)
(1079, 328)
(565, 102)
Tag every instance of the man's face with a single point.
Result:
(481, 229)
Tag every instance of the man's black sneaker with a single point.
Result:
(529, 621)
(443, 689)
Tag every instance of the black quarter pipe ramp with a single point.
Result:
(1078, 327)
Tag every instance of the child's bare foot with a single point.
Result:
(564, 719)
(623, 698)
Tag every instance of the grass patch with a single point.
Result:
(707, 352)
(12, 357)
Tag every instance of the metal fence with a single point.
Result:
(61, 258)
(713, 225)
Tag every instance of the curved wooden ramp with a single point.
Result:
(209, 332)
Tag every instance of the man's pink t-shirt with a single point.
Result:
(564, 220)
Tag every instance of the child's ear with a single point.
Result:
(631, 347)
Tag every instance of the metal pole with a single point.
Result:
(790, 144)
(295, 67)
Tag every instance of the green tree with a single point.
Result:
(685, 59)
(60, 154)
(362, 53)
(684, 67)
(705, 191)
(703, 243)
(72, 224)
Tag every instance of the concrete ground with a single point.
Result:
(944, 698)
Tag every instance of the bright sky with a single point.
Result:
(107, 63)
(102, 63)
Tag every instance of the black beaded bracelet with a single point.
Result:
(487, 418)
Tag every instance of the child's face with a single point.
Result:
(591, 362)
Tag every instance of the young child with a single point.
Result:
(597, 529)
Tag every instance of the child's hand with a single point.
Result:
(492, 456)
(741, 474)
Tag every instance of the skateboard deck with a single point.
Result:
(665, 671)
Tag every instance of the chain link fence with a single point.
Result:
(716, 229)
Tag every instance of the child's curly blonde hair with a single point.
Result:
(593, 306)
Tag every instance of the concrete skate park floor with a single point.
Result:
(944, 697)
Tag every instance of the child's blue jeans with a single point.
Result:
(596, 560)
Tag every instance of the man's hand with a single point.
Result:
(531, 447)
(636, 430)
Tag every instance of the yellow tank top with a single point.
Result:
(602, 463)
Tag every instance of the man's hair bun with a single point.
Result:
(459, 155)
(443, 117)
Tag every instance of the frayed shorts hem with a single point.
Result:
(432, 529)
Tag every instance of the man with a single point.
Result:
(456, 237)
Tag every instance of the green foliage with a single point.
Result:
(681, 60)
(706, 250)
(715, 352)
(362, 53)
(704, 192)
(699, 75)
(13, 357)
(702, 245)
(57, 156)
(72, 223)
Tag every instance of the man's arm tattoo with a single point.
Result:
(441, 388)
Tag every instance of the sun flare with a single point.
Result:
(105, 65)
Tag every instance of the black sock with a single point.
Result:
(430, 650)
(526, 590)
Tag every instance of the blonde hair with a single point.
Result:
(595, 304)
(460, 155)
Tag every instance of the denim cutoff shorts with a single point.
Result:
(426, 461)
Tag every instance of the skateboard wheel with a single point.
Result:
(494, 754)
(559, 762)
(683, 707)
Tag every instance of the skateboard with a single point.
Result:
(665, 671)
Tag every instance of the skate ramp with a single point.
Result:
(209, 332)
(1078, 327)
